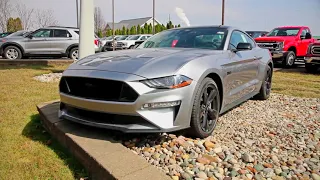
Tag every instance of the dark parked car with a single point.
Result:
(255, 34)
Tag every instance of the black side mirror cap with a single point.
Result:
(308, 36)
(244, 46)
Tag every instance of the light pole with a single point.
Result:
(77, 9)
(222, 18)
(113, 44)
(154, 9)
(86, 28)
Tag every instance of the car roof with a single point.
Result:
(293, 27)
(60, 27)
(209, 26)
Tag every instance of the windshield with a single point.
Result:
(108, 38)
(18, 33)
(203, 38)
(284, 32)
(133, 38)
(122, 38)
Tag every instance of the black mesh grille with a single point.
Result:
(97, 89)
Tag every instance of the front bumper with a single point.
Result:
(110, 48)
(130, 116)
(278, 55)
(312, 60)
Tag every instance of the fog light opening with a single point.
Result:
(161, 105)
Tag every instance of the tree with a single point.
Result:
(128, 31)
(14, 25)
(109, 32)
(138, 29)
(5, 13)
(157, 28)
(99, 33)
(123, 32)
(45, 18)
(142, 31)
(150, 28)
(179, 25)
(146, 27)
(99, 22)
(25, 14)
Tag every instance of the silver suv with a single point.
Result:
(50, 41)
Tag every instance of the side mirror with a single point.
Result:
(308, 36)
(30, 36)
(302, 37)
(244, 46)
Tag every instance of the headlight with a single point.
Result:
(280, 45)
(169, 82)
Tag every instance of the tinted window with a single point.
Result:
(236, 38)
(77, 32)
(284, 32)
(61, 33)
(204, 38)
(42, 33)
(143, 38)
(249, 40)
(134, 38)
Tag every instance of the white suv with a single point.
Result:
(130, 42)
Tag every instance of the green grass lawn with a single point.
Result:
(27, 152)
(298, 84)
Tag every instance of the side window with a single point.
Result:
(304, 32)
(236, 38)
(249, 40)
(143, 38)
(43, 33)
(61, 33)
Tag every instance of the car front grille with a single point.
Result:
(272, 45)
(97, 89)
(315, 50)
(120, 44)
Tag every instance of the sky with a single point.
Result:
(244, 14)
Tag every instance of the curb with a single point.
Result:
(99, 154)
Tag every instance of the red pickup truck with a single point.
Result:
(287, 43)
(312, 59)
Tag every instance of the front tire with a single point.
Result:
(289, 60)
(12, 53)
(205, 110)
(265, 89)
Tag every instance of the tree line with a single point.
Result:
(146, 29)
(15, 17)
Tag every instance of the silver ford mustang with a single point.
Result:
(177, 79)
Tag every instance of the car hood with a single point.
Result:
(275, 38)
(147, 62)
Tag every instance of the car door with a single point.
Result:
(38, 42)
(303, 42)
(244, 73)
(60, 41)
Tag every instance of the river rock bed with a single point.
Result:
(274, 139)
(51, 77)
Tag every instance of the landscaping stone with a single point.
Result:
(273, 139)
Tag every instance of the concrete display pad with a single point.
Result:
(103, 157)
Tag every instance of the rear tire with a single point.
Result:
(205, 110)
(12, 53)
(74, 54)
(289, 60)
(265, 89)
